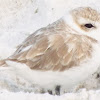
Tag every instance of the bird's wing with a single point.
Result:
(54, 49)
(55, 52)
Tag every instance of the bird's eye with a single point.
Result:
(88, 25)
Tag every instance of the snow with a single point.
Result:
(19, 19)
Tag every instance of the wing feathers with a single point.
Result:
(55, 50)
(62, 50)
(38, 49)
(48, 54)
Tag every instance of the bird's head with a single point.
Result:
(86, 21)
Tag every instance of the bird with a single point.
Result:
(64, 53)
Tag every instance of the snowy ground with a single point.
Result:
(20, 18)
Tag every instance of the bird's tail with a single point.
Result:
(3, 62)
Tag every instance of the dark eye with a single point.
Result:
(88, 25)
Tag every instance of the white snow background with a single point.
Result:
(19, 19)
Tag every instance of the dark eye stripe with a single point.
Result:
(88, 25)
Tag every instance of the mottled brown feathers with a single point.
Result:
(87, 13)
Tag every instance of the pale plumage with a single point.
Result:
(61, 47)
